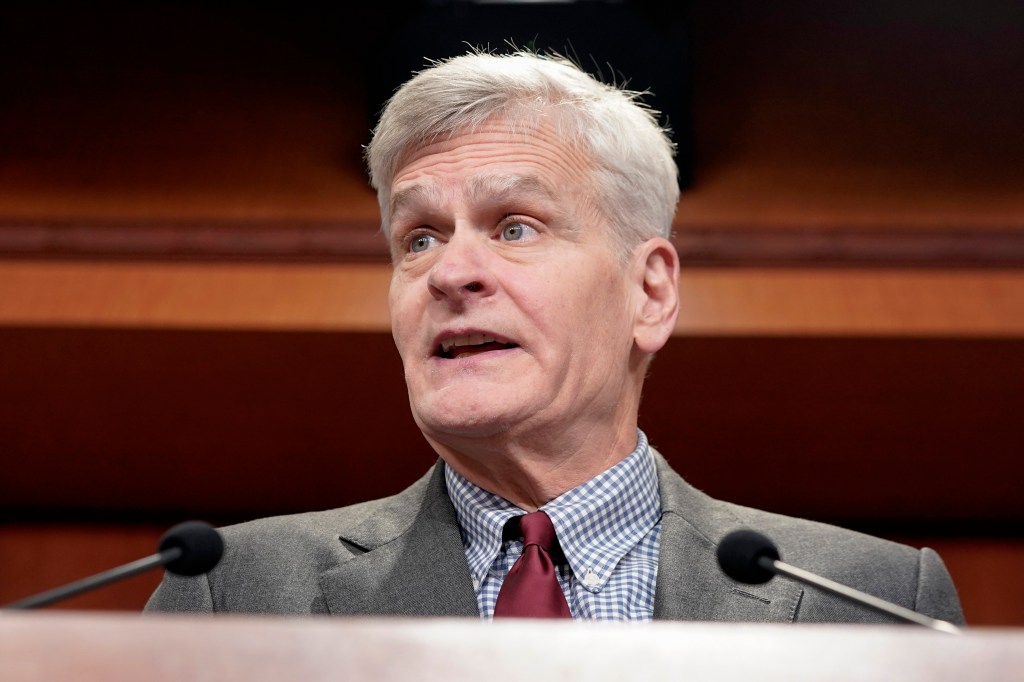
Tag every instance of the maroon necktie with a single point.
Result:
(531, 588)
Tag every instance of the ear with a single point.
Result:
(657, 269)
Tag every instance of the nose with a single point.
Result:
(462, 270)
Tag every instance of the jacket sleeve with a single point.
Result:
(180, 594)
(936, 594)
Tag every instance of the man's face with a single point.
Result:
(509, 308)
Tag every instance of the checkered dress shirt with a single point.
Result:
(608, 528)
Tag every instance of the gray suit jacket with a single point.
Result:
(403, 555)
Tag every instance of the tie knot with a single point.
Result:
(537, 530)
(531, 588)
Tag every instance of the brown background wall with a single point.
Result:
(192, 312)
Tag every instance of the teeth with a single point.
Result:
(466, 340)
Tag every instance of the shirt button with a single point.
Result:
(591, 579)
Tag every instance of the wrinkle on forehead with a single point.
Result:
(509, 185)
(493, 188)
(521, 170)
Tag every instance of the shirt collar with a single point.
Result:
(482, 516)
(597, 523)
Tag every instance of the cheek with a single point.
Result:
(606, 307)
(587, 316)
(400, 311)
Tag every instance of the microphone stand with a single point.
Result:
(895, 610)
(98, 580)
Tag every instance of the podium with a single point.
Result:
(113, 647)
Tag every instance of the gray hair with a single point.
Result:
(637, 186)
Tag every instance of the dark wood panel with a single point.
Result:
(38, 557)
(197, 422)
(106, 429)
(233, 424)
(987, 575)
(882, 244)
(340, 239)
(826, 133)
(345, 240)
(822, 115)
(839, 427)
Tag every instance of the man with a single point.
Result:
(527, 209)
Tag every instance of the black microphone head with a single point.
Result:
(201, 547)
(738, 555)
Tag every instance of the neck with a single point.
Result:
(529, 472)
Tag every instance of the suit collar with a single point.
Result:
(690, 584)
(409, 560)
(414, 563)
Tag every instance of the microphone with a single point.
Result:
(750, 557)
(189, 548)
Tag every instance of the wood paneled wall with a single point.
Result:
(193, 289)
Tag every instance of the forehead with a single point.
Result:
(494, 159)
(482, 187)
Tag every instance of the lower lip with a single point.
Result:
(474, 358)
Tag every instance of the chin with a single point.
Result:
(453, 423)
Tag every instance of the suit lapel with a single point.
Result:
(690, 584)
(414, 563)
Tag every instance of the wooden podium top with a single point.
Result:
(111, 647)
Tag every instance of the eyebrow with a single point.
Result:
(512, 189)
(412, 196)
(500, 188)
(504, 187)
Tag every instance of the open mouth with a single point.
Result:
(466, 345)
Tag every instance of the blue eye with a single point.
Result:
(421, 243)
(514, 232)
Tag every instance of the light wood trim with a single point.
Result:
(852, 302)
(353, 297)
(350, 297)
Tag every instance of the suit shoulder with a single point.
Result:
(812, 544)
(274, 564)
(285, 534)
(899, 573)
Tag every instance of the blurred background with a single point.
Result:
(193, 315)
